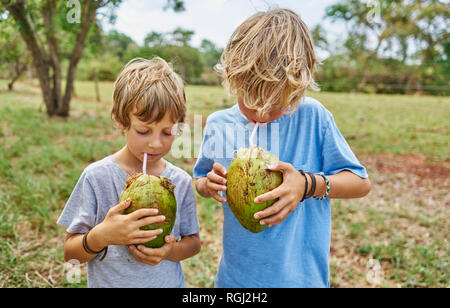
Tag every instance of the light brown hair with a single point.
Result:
(149, 89)
(269, 61)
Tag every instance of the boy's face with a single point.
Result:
(155, 139)
(252, 115)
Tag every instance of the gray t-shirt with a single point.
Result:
(98, 189)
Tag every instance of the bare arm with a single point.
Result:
(343, 185)
(73, 246)
(115, 229)
(187, 247)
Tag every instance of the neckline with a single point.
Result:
(127, 175)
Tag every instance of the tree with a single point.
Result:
(14, 56)
(52, 28)
(181, 37)
(409, 31)
(211, 53)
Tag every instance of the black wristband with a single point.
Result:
(90, 251)
(313, 187)
(306, 185)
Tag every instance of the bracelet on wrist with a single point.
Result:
(306, 185)
(328, 187)
(90, 251)
(313, 186)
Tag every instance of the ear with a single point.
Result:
(118, 123)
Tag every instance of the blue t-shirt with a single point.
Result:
(296, 252)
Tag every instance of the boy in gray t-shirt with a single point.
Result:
(149, 100)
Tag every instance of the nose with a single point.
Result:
(154, 142)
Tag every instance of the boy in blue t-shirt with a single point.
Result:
(268, 65)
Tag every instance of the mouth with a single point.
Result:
(150, 155)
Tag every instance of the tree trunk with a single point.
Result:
(18, 71)
(51, 86)
(40, 61)
(97, 90)
(87, 17)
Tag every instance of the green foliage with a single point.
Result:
(195, 65)
(392, 47)
(187, 61)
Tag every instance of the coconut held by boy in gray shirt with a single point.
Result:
(99, 189)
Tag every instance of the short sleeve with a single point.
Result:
(79, 214)
(204, 162)
(188, 212)
(337, 155)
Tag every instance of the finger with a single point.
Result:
(138, 255)
(215, 187)
(218, 197)
(271, 210)
(221, 170)
(277, 218)
(142, 240)
(147, 233)
(271, 195)
(215, 178)
(142, 213)
(120, 207)
(147, 252)
(149, 220)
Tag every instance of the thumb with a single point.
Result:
(279, 166)
(170, 239)
(120, 207)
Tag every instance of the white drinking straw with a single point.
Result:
(144, 165)
(252, 136)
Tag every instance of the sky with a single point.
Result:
(214, 20)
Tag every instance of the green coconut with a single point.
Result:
(247, 178)
(148, 191)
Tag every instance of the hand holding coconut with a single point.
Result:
(152, 256)
(118, 229)
(214, 182)
(289, 194)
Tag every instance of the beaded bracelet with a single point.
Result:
(328, 187)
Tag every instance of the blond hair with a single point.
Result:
(149, 89)
(269, 61)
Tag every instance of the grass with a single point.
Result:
(402, 223)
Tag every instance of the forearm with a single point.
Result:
(343, 185)
(73, 246)
(187, 247)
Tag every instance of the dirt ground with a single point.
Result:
(403, 222)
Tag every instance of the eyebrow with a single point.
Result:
(142, 125)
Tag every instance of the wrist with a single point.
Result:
(321, 189)
(95, 239)
(311, 187)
